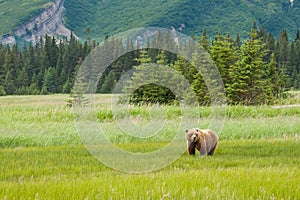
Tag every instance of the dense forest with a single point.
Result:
(254, 71)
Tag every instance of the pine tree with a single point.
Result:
(29, 62)
(291, 61)
(270, 43)
(77, 95)
(9, 83)
(164, 94)
(2, 70)
(143, 87)
(249, 82)
(224, 55)
(66, 89)
(273, 76)
(237, 42)
(182, 68)
(2, 58)
(33, 88)
(283, 47)
(23, 78)
(2, 91)
(109, 83)
(297, 35)
(50, 83)
(203, 41)
(283, 81)
(201, 78)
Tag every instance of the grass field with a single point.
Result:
(42, 156)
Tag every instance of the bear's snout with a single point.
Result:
(194, 138)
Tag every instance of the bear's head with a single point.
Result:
(193, 135)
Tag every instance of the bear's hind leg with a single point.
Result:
(212, 151)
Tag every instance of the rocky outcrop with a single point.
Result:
(49, 22)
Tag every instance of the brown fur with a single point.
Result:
(205, 141)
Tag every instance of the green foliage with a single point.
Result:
(240, 169)
(227, 16)
(97, 19)
(152, 75)
(77, 93)
(224, 54)
(14, 13)
(2, 91)
(259, 70)
(47, 121)
(49, 85)
(42, 156)
(45, 68)
(249, 83)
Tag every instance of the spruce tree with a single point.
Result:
(297, 35)
(2, 91)
(283, 81)
(283, 42)
(237, 42)
(224, 55)
(33, 87)
(249, 81)
(9, 83)
(23, 78)
(50, 82)
(203, 41)
(2, 58)
(143, 87)
(273, 76)
(201, 61)
(77, 95)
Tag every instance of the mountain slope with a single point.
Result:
(15, 12)
(107, 17)
(49, 21)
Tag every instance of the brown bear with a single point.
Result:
(205, 141)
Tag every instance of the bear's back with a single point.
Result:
(210, 136)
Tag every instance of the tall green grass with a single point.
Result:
(252, 169)
(47, 121)
(41, 155)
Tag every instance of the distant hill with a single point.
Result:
(14, 13)
(108, 17)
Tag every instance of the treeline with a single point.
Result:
(258, 70)
(45, 68)
(254, 71)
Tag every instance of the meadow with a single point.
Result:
(42, 156)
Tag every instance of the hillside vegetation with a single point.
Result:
(108, 17)
(15, 12)
(233, 16)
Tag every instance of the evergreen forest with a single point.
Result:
(256, 70)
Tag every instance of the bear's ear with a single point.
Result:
(187, 130)
(198, 131)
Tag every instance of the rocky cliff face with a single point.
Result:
(49, 22)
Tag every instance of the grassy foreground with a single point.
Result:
(41, 156)
(253, 169)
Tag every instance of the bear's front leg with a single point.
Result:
(191, 149)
